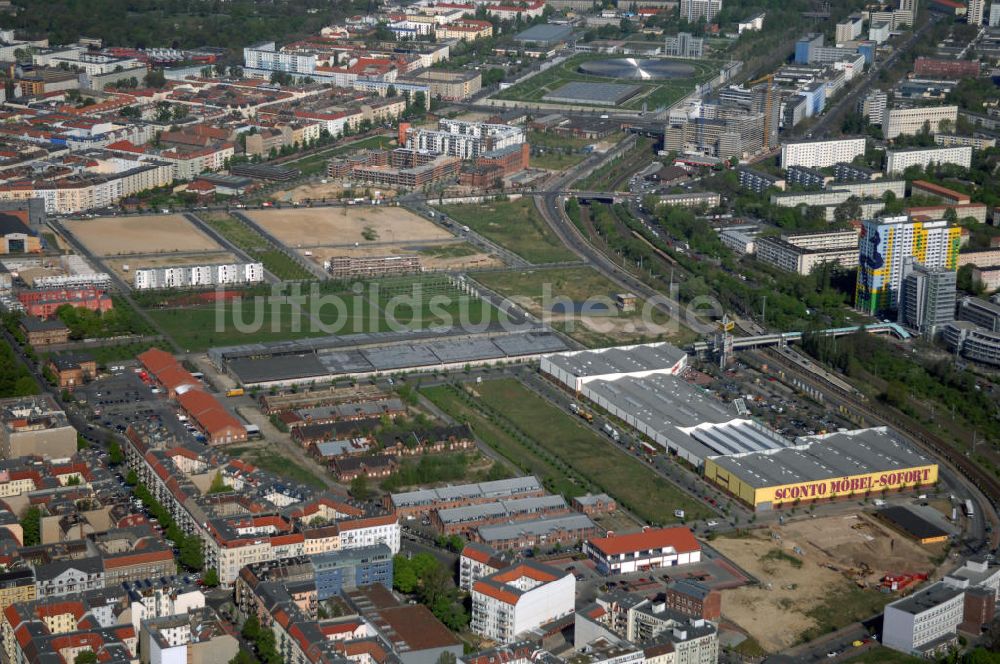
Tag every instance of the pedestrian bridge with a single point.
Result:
(784, 338)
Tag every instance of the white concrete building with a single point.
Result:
(648, 549)
(520, 598)
(267, 57)
(477, 561)
(753, 24)
(897, 161)
(872, 106)
(369, 531)
(802, 252)
(898, 121)
(467, 140)
(693, 10)
(192, 276)
(850, 28)
(821, 154)
(925, 616)
(976, 12)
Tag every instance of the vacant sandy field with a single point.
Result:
(205, 258)
(119, 236)
(860, 542)
(311, 227)
(317, 191)
(441, 256)
(834, 555)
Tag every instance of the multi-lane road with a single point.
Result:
(828, 122)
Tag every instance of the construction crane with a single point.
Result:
(768, 105)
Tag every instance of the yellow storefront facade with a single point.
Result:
(772, 497)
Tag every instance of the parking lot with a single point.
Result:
(122, 398)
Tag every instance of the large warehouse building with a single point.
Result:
(825, 467)
(368, 354)
(575, 368)
(644, 387)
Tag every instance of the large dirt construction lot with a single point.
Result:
(821, 587)
(143, 234)
(137, 262)
(314, 227)
(317, 191)
(433, 256)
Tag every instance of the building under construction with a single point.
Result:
(738, 122)
(402, 167)
(357, 267)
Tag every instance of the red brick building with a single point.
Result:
(693, 599)
(44, 302)
(205, 411)
(595, 504)
(509, 160)
(490, 168)
(372, 466)
(212, 418)
(41, 332)
(947, 68)
(72, 370)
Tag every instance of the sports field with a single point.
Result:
(141, 234)
(321, 309)
(197, 328)
(655, 94)
(514, 225)
(558, 436)
(311, 227)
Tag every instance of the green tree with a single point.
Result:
(981, 656)
(191, 555)
(163, 112)
(131, 478)
(31, 524)
(360, 489)
(251, 628)
(849, 210)
(155, 79)
(86, 657)
(211, 578)
(115, 455)
(218, 484)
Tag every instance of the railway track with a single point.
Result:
(930, 442)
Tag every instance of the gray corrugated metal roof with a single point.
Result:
(825, 457)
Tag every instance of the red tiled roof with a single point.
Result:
(521, 570)
(476, 553)
(155, 360)
(490, 590)
(938, 189)
(209, 413)
(680, 539)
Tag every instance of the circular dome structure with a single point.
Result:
(636, 69)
